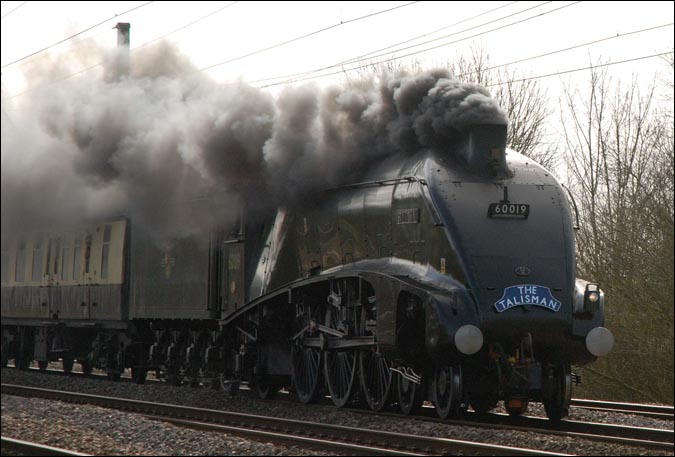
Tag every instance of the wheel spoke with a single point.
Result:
(340, 365)
(375, 379)
(340, 373)
(306, 373)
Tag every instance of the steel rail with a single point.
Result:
(11, 445)
(377, 440)
(620, 434)
(660, 439)
(655, 438)
(285, 438)
(653, 411)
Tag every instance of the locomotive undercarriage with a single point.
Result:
(334, 351)
(321, 339)
(517, 378)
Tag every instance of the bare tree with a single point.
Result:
(620, 163)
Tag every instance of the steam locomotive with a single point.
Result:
(446, 276)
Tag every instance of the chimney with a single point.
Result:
(123, 38)
(483, 148)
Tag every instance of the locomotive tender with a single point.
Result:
(446, 276)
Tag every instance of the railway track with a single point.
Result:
(645, 437)
(335, 438)
(11, 446)
(654, 411)
(651, 438)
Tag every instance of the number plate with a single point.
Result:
(509, 210)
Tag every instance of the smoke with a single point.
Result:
(165, 140)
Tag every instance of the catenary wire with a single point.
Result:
(497, 66)
(309, 72)
(78, 33)
(204, 17)
(307, 35)
(187, 25)
(424, 50)
(580, 69)
(153, 40)
(356, 59)
(134, 49)
(546, 54)
(15, 8)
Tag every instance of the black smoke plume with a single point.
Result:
(148, 144)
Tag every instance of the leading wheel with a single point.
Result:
(448, 390)
(557, 391)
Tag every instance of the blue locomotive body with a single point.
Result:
(446, 276)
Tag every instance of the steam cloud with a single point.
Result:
(145, 144)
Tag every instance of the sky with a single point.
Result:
(220, 44)
(204, 112)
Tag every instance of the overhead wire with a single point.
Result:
(75, 45)
(315, 32)
(546, 54)
(187, 25)
(155, 39)
(356, 59)
(309, 72)
(132, 50)
(73, 36)
(424, 50)
(204, 17)
(16, 8)
(427, 49)
(608, 64)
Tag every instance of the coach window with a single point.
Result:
(106, 251)
(57, 256)
(49, 256)
(5, 264)
(37, 259)
(20, 265)
(87, 253)
(64, 259)
(77, 257)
